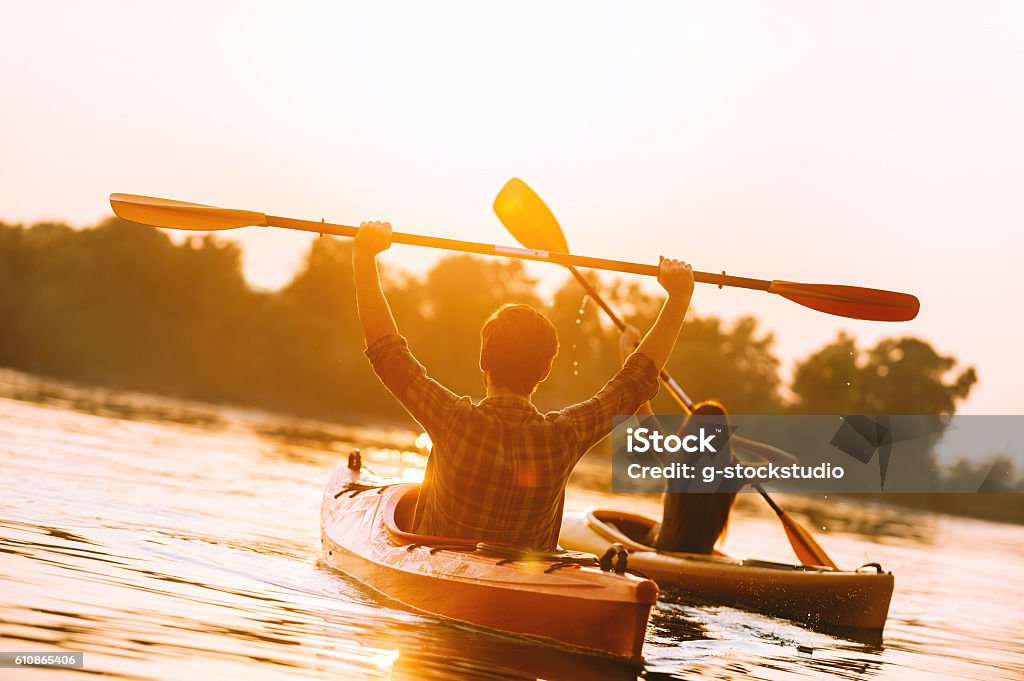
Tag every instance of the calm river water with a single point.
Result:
(168, 541)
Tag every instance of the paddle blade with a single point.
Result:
(804, 546)
(528, 218)
(156, 212)
(854, 302)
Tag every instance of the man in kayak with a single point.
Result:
(691, 522)
(499, 467)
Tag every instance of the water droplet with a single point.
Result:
(847, 383)
(579, 321)
(575, 372)
(575, 364)
(823, 528)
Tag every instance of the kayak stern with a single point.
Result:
(569, 604)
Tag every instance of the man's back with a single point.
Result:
(500, 475)
(498, 469)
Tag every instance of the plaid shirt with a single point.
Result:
(498, 469)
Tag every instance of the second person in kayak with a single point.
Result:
(691, 522)
(498, 468)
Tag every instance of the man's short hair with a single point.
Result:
(517, 344)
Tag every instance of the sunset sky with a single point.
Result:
(878, 144)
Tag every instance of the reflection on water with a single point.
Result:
(170, 541)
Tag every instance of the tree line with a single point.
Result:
(120, 305)
(123, 306)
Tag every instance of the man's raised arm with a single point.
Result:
(374, 312)
(637, 382)
(426, 400)
(676, 277)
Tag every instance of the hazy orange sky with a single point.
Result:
(878, 144)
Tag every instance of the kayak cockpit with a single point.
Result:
(632, 530)
(398, 510)
(634, 527)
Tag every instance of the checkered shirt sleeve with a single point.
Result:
(426, 400)
(635, 383)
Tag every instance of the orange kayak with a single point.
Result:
(854, 599)
(560, 597)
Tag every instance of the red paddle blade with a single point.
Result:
(854, 302)
(149, 210)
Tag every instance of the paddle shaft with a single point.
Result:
(566, 259)
(771, 502)
(854, 302)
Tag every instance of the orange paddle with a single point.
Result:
(517, 205)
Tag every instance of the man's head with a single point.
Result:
(517, 347)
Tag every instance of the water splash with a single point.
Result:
(583, 304)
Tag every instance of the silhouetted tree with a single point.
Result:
(896, 376)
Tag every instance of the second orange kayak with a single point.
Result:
(854, 599)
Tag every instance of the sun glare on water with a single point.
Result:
(412, 475)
